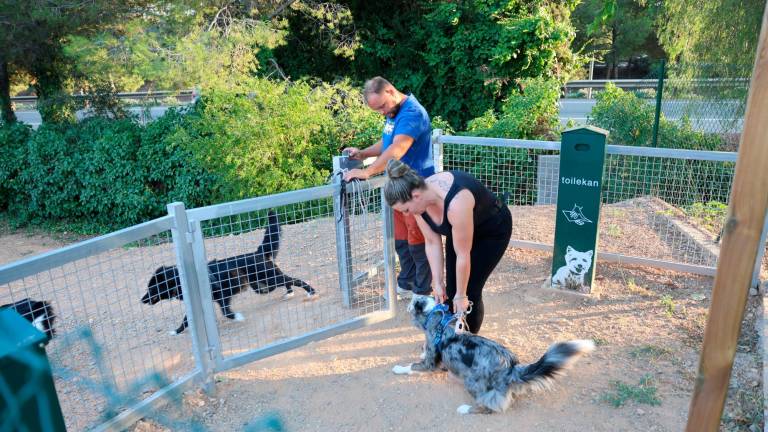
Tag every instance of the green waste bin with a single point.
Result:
(28, 400)
(582, 156)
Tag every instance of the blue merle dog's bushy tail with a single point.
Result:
(558, 357)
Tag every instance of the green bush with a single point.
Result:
(629, 121)
(528, 114)
(279, 137)
(104, 174)
(13, 140)
(531, 113)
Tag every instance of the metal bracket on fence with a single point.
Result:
(341, 221)
(193, 300)
(437, 149)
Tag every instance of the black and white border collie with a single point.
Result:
(230, 276)
(38, 312)
(490, 372)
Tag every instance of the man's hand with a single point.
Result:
(355, 173)
(354, 153)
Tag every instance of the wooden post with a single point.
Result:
(749, 199)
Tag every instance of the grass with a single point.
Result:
(650, 352)
(637, 289)
(644, 393)
(669, 304)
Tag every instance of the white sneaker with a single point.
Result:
(403, 293)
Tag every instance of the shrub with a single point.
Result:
(104, 174)
(530, 114)
(629, 121)
(279, 137)
(13, 140)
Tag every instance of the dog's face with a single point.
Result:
(164, 285)
(419, 308)
(578, 262)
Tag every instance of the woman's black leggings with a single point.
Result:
(485, 255)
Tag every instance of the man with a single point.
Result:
(406, 137)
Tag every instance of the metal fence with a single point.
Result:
(702, 99)
(117, 354)
(661, 207)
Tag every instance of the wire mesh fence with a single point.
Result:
(134, 323)
(662, 205)
(284, 272)
(108, 341)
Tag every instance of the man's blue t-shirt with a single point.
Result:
(412, 120)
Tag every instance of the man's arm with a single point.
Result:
(399, 147)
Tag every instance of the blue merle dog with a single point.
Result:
(491, 373)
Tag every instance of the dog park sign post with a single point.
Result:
(582, 156)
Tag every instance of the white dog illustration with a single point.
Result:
(571, 275)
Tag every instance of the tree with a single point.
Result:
(616, 30)
(459, 57)
(35, 32)
(721, 35)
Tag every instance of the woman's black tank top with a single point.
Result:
(485, 213)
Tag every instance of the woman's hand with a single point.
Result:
(460, 303)
(438, 291)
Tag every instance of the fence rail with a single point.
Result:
(653, 83)
(181, 96)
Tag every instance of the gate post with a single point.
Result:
(185, 263)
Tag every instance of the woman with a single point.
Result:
(477, 227)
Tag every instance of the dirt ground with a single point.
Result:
(647, 324)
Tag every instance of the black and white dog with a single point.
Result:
(39, 313)
(491, 373)
(230, 276)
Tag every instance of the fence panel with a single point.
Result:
(272, 317)
(111, 350)
(661, 207)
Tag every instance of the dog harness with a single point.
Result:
(445, 319)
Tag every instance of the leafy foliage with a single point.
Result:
(279, 137)
(460, 58)
(629, 120)
(102, 173)
(531, 113)
(110, 173)
(718, 34)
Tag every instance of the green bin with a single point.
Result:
(28, 400)
(582, 156)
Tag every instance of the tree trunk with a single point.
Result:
(6, 111)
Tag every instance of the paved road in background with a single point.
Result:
(705, 116)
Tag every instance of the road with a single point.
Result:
(705, 116)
